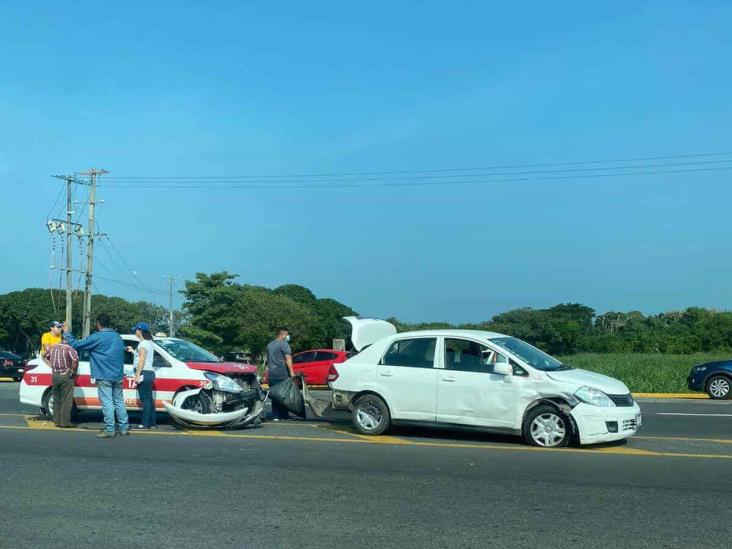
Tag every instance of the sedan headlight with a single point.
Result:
(594, 396)
(700, 368)
(223, 383)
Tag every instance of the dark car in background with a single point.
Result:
(714, 378)
(11, 365)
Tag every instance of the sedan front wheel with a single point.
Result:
(547, 427)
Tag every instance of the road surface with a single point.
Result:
(318, 484)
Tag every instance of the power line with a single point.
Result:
(182, 182)
(123, 283)
(400, 172)
(330, 185)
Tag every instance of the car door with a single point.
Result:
(408, 379)
(85, 390)
(469, 392)
(317, 371)
(301, 363)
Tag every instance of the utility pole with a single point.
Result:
(92, 173)
(69, 255)
(171, 325)
(69, 242)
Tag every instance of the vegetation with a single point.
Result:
(25, 315)
(644, 373)
(648, 352)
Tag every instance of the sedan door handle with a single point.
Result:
(449, 379)
(386, 374)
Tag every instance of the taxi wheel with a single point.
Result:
(47, 404)
(547, 427)
(200, 403)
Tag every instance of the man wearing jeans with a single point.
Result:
(106, 358)
(64, 363)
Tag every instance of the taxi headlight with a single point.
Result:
(590, 395)
(223, 383)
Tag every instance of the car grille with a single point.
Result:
(630, 425)
(622, 400)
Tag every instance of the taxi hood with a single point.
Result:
(225, 368)
(365, 331)
(606, 384)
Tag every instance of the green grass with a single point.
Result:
(644, 373)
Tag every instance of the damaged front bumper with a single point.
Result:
(226, 420)
(596, 425)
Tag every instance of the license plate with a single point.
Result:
(639, 419)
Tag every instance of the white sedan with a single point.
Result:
(481, 379)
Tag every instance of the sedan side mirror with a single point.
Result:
(502, 368)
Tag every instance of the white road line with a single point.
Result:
(684, 414)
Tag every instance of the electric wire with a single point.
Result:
(384, 184)
(438, 170)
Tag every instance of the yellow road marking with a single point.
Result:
(688, 439)
(399, 442)
(35, 422)
(672, 395)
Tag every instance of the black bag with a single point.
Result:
(288, 394)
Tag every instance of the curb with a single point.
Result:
(688, 396)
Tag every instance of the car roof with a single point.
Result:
(314, 350)
(133, 336)
(456, 333)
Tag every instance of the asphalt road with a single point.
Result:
(317, 484)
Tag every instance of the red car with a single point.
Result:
(315, 364)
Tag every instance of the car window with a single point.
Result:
(130, 357)
(414, 353)
(159, 361)
(304, 357)
(468, 356)
(324, 355)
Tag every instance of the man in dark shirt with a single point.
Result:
(279, 368)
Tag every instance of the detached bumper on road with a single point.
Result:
(597, 424)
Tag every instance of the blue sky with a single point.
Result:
(250, 88)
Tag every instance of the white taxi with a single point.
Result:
(480, 379)
(179, 366)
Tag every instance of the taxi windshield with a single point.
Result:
(531, 355)
(186, 351)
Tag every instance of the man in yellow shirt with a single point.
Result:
(51, 337)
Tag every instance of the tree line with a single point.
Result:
(226, 316)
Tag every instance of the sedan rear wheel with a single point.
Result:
(719, 387)
(371, 415)
(547, 427)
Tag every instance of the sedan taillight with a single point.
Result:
(332, 374)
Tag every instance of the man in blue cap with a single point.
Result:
(106, 358)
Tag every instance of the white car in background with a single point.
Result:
(475, 378)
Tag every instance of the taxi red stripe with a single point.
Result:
(84, 381)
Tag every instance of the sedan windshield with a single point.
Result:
(186, 351)
(530, 354)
